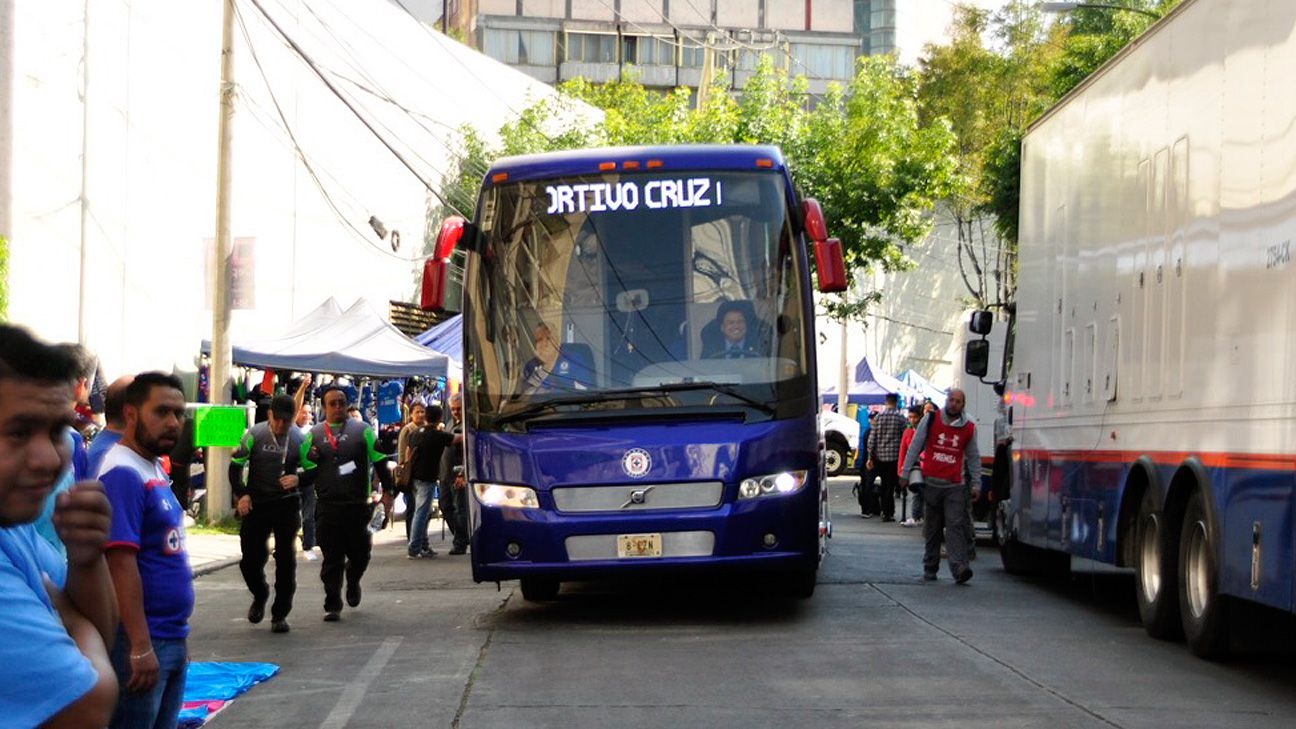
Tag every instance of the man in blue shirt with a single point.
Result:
(147, 558)
(113, 424)
(58, 616)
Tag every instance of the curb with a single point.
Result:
(211, 567)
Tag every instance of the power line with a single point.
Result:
(301, 154)
(351, 107)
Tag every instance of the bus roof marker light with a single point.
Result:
(653, 164)
(630, 165)
(499, 177)
(765, 163)
(607, 166)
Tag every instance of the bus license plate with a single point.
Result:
(639, 545)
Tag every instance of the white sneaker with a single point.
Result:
(311, 556)
(908, 523)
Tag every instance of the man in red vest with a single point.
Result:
(946, 442)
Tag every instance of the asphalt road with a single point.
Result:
(875, 645)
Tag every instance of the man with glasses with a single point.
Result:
(269, 503)
(336, 458)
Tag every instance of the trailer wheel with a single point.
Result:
(1204, 611)
(1157, 548)
(536, 589)
(835, 458)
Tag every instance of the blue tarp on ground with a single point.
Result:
(210, 685)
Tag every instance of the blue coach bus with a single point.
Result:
(639, 365)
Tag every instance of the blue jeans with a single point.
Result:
(159, 707)
(424, 491)
(916, 499)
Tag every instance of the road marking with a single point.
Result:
(354, 693)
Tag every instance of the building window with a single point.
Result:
(863, 13)
(748, 59)
(591, 48)
(647, 51)
(520, 47)
(824, 61)
(691, 55)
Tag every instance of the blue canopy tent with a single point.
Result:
(869, 388)
(923, 387)
(446, 338)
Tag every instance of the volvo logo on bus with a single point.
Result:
(636, 462)
(638, 497)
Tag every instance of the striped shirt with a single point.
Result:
(884, 437)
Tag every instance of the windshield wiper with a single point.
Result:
(719, 387)
(599, 396)
(551, 404)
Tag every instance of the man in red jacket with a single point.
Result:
(950, 467)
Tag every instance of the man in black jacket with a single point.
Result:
(454, 492)
(337, 456)
(269, 503)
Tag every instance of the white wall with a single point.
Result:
(152, 102)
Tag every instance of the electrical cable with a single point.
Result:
(301, 154)
(351, 107)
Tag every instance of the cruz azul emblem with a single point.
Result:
(636, 462)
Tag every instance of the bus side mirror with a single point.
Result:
(976, 358)
(436, 270)
(830, 265)
(981, 323)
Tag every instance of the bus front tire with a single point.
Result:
(1202, 609)
(1157, 573)
(535, 589)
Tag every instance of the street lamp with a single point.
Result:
(1066, 7)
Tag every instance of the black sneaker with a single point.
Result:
(256, 613)
(279, 625)
(964, 576)
(929, 576)
(458, 550)
(888, 518)
(353, 594)
(332, 616)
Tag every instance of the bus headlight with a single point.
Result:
(503, 495)
(775, 484)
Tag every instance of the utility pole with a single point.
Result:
(218, 459)
(843, 375)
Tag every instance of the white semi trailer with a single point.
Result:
(1154, 366)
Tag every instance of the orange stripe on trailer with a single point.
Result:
(1252, 461)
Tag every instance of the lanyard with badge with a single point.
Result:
(344, 469)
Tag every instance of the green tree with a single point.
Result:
(863, 151)
(989, 81)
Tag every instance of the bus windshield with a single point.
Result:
(630, 290)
